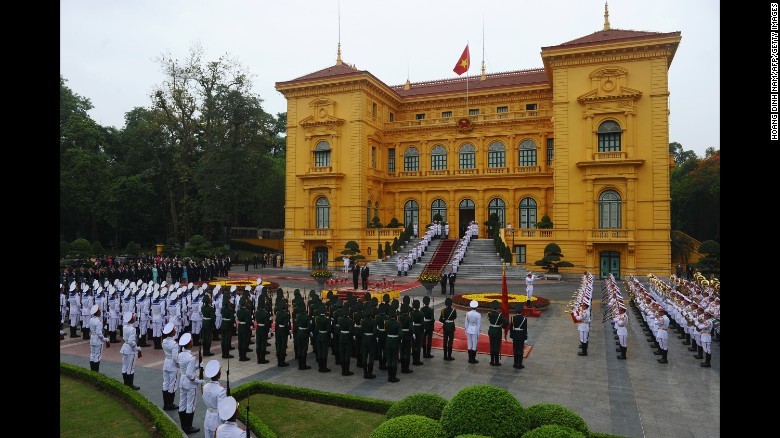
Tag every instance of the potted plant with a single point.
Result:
(321, 276)
(429, 281)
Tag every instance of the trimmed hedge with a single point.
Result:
(547, 413)
(409, 426)
(427, 405)
(471, 435)
(164, 425)
(604, 435)
(485, 410)
(554, 431)
(313, 395)
(255, 424)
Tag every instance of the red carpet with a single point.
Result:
(483, 344)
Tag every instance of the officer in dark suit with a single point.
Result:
(355, 274)
(255, 261)
(451, 278)
(444, 278)
(364, 276)
(519, 333)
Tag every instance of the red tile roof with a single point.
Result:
(493, 80)
(334, 70)
(611, 35)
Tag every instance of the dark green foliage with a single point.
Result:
(695, 193)
(548, 413)
(313, 395)
(132, 248)
(165, 426)
(545, 223)
(552, 259)
(395, 244)
(554, 431)
(427, 405)
(256, 425)
(437, 217)
(97, 248)
(247, 246)
(603, 435)
(380, 253)
(64, 249)
(472, 435)
(388, 251)
(80, 249)
(197, 247)
(492, 225)
(710, 263)
(409, 426)
(394, 223)
(375, 223)
(485, 410)
(351, 251)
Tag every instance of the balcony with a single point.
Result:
(479, 118)
(490, 170)
(466, 172)
(317, 233)
(385, 234)
(610, 235)
(528, 169)
(409, 173)
(437, 172)
(534, 233)
(321, 169)
(615, 155)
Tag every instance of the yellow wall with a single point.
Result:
(587, 85)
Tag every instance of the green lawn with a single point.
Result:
(295, 418)
(88, 412)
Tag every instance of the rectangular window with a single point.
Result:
(373, 110)
(530, 107)
(439, 162)
(502, 109)
(391, 160)
(550, 151)
(474, 112)
(496, 159)
(609, 142)
(322, 158)
(467, 160)
(373, 157)
(392, 117)
(519, 254)
(446, 114)
(528, 157)
(419, 116)
(411, 163)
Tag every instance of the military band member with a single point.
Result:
(662, 336)
(529, 287)
(705, 328)
(129, 351)
(621, 321)
(96, 338)
(213, 393)
(447, 318)
(188, 383)
(497, 322)
(583, 327)
(473, 323)
(170, 366)
(428, 324)
(518, 333)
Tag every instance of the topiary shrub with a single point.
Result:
(427, 405)
(471, 435)
(132, 248)
(554, 431)
(485, 410)
(548, 413)
(80, 249)
(409, 426)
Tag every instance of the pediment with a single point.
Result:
(321, 119)
(623, 93)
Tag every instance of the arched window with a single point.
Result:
(323, 213)
(411, 212)
(609, 136)
(438, 206)
(467, 204)
(610, 210)
(438, 158)
(496, 154)
(467, 157)
(322, 154)
(368, 213)
(498, 207)
(411, 160)
(528, 213)
(527, 153)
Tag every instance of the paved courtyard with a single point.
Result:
(637, 397)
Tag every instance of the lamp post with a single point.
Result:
(512, 232)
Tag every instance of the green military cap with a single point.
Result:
(519, 308)
(406, 299)
(426, 300)
(448, 302)
(366, 296)
(394, 304)
(329, 294)
(297, 292)
(494, 304)
(312, 293)
(386, 298)
(349, 294)
(374, 301)
(416, 304)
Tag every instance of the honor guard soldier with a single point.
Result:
(75, 309)
(399, 264)
(392, 330)
(143, 317)
(323, 326)
(662, 337)
(263, 321)
(113, 314)
(86, 304)
(583, 327)
(213, 393)
(705, 328)
(417, 332)
(381, 334)
(96, 338)
(244, 328)
(188, 383)
(197, 317)
(529, 288)
(157, 320)
(346, 335)
(217, 301)
(129, 351)
(447, 318)
(368, 342)
(428, 324)
(170, 366)
(621, 321)
(519, 334)
(302, 333)
(406, 336)
(228, 412)
(282, 332)
(473, 324)
(497, 322)
(228, 315)
(63, 310)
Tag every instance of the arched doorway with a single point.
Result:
(319, 257)
(465, 215)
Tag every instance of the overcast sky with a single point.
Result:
(108, 47)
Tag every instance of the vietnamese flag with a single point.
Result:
(504, 294)
(463, 63)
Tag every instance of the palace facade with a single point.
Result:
(583, 140)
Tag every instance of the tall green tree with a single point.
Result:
(695, 196)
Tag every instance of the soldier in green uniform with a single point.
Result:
(336, 311)
(346, 336)
(368, 342)
(392, 330)
(519, 333)
(227, 326)
(497, 322)
(428, 317)
(406, 337)
(244, 328)
(323, 326)
(302, 331)
(294, 319)
(282, 331)
(447, 318)
(381, 334)
(263, 319)
(357, 316)
(417, 332)
(207, 330)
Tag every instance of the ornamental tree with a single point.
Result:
(552, 259)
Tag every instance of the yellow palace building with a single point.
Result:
(583, 140)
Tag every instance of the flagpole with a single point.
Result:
(467, 82)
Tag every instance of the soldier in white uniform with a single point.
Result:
(217, 302)
(63, 311)
(113, 314)
(196, 318)
(86, 305)
(228, 411)
(583, 327)
(170, 366)
(406, 265)
(705, 328)
(346, 264)
(399, 263)
(96, 339)
(188, 383)
(213, 393)
(473, 324)
(621, 322)
(75, 310)
(529, 288)
(143, 317)
(157, 320)
(129, 350)
(174, 311)
(415, 229)
(446, 230)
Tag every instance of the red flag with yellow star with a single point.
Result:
(504, 297)
(463, 63)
